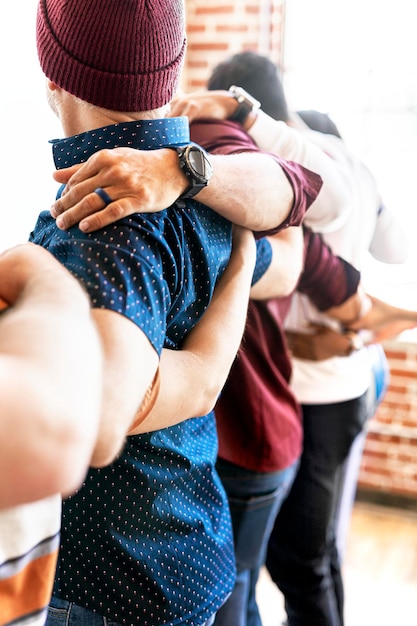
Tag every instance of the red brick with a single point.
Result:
(219, 9)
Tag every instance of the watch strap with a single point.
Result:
(197, 181)
(246, 104)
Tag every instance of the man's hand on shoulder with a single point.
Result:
(136, 181)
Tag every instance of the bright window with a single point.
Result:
(357, 61)
(27, 186)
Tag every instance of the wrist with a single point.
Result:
(178, 178)
(250, 120)
(364, 308)
(246, 107)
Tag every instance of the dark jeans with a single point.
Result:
(302, 556)
(254, 500)
(64, 613)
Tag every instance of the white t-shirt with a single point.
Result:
(352, 219)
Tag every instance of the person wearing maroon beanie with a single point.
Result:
(147, 539)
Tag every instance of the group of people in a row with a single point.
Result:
(152, 460)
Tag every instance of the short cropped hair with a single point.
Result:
(320, 122)
(259, 76)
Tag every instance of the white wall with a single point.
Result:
(26, 125)
(357, 60)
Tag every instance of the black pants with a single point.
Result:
(302, 555)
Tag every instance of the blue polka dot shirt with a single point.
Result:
(147, 540)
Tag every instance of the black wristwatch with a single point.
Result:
(195, 163)
(246, 104)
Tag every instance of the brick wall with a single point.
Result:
(216, 30)
(389, 464)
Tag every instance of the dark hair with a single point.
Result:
(259, 76)
(320, 122)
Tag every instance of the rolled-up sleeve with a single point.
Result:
(306, 186)
(328, 280)
(225, 137)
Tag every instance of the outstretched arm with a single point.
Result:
(268, 191)
(384, 320)
(142, 394)
(192, 378)
(281, 277)
(360, 312)
(333, 203)
(150, 181)
(50, 378)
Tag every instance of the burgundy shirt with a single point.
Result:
(224, 137)
(258, 418)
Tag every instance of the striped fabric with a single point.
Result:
(29, 542)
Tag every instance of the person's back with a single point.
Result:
(302, 558)
(369, 228)
(148, 538)
(252, 416)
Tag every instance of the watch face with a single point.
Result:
(199, 163)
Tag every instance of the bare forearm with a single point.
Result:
(260, 206)
(151, 181)
(332, 205)
(201, 367)
(364, 312)
(353, 309)
(49, 402)
(130, 364)
(282, 275)
(192, 378)
(385, 320)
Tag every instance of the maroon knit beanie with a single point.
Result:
(123, 55)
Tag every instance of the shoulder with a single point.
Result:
(221, 136)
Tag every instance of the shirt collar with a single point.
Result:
(142, 135)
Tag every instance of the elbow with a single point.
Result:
(105, 455)
(54, 434)
(208, 405)
(73, 447)
(207, 400)
(210, 394)
(57, 461)
(287, 289)
(289, 284)
(109, 445)
(396, 256)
